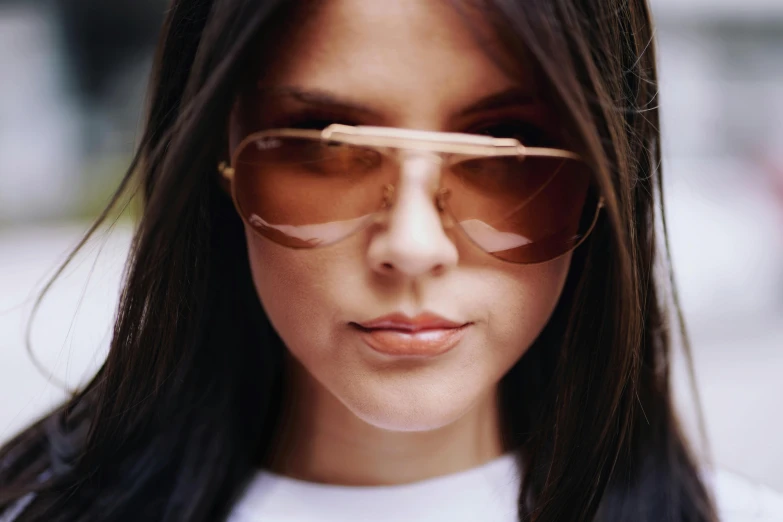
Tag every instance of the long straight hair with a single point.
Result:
(185, 406)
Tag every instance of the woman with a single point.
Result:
(395, 263)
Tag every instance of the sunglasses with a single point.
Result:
(310, 188)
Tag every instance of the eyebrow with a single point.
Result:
(319, 98)
(512, 97)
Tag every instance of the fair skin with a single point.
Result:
(352, 416)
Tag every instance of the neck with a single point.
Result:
(319, 440)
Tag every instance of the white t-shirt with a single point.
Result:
(487, 493)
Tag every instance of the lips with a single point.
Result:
(426, 335)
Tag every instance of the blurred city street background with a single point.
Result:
(74, 74)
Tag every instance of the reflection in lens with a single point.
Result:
(490, 239)
(315, 234)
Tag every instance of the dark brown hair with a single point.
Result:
(184, 408)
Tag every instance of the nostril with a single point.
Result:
(436, 270)
(388, 196)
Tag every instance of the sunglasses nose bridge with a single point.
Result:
(418, 167)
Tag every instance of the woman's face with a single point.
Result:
(418, 65)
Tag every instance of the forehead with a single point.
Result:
(414, 60)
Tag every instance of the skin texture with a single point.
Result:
(352, 416)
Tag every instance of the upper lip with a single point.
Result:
(398, 321)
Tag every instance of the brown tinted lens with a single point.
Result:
(306, 192)
(524, 210)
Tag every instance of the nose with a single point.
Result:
(413, 241)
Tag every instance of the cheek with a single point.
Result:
(525, 297)
(304, 294)
(288, 283)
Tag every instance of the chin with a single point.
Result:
(428, 410)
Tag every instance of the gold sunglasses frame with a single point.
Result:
(410, 139)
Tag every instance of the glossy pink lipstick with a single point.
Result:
(425, 335)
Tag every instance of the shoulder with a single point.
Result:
(740, 499)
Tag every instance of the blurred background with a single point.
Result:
(74, 73)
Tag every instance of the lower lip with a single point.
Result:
(424, 343)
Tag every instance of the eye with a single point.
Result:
(306, 158)
(526, 133)
(314, 124)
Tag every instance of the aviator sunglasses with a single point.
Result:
(309, 188)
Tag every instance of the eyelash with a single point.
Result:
(312, 120)
(527, 133)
